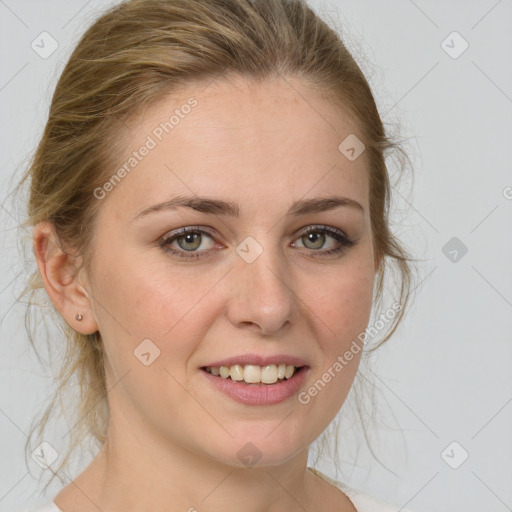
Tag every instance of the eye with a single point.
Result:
(186, 240)
(315, 237)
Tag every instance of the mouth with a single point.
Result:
(254, 374)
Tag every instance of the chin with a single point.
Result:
(256, 451)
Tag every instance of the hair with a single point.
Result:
(134, 55)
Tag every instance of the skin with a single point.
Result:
(173, 438)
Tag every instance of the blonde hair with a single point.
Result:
(134, 55)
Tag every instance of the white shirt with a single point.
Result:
(362, 502)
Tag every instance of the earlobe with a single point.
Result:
(58, 272)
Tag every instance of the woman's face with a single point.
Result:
(253, 281)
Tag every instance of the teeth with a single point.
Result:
(236, 372)
(269, 374)
(253, 374)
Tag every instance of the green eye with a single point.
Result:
(192, 241)
(189, 239)
(315, 237)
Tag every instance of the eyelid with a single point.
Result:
(179, 232)
(301, 232)
(187, 229)
(322, 227)
(337, 234)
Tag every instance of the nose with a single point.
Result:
(262, 298)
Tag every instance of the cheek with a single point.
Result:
(343, 306)
(341, 315)
(146, 297)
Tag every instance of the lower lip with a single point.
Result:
(259, 394)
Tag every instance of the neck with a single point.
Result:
(134, 473)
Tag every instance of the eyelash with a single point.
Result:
(338, 235)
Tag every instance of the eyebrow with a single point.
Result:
(231, 208)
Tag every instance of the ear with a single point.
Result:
(58, 269)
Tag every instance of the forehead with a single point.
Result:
(245, 138)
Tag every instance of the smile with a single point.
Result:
(246, 384)
(254, 374)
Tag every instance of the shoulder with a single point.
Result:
(362, 502)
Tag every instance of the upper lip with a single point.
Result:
(258, 360)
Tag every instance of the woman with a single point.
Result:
(209, 202)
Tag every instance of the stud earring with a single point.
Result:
(78, 317)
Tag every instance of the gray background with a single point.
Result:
(446, 375)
